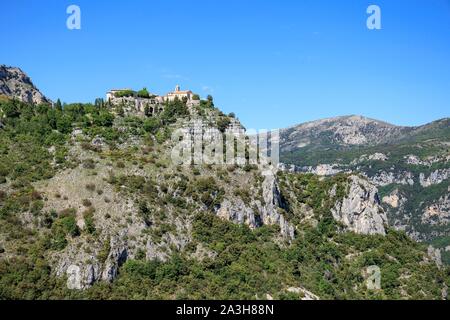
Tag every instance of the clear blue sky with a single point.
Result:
(274, 63)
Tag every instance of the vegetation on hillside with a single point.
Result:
(242, 263)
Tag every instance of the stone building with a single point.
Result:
(180, 94)
(151, 105)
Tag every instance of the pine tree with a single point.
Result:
(58, 105)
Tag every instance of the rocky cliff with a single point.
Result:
(360, 210)
(15, 84)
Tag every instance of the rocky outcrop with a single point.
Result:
(434, 255)
(272, 201)
(257, 214)
(429, 161)
(438, 213)
(384, 178)
(322, 170)
(395, 199)
(305, 294)
(360, 210)
(435, 177)
(118, 254)
(378, 156)
(15, 84)
(235, 210)
(83, 269)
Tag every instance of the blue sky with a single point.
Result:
(274, 63)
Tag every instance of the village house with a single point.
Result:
(180, 94)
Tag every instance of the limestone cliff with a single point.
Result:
(15, 84)
(360, 210)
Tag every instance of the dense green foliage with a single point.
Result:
(143, 93)
(124, 93)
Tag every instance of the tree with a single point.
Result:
(223, 124)
(104, 119)
(143, 93)
(173, 110)
(58, 105)
(10, 109)
(152, 125)
(210, 101)
(99, 103)
(64, 124)
(124, 93)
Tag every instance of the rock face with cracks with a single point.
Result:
(360, 210)
(15, 84)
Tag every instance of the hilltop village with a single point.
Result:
(146, 103)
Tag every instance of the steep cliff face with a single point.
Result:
(273, 202)
(15, 84)
(259, 212)
(436, 177)
(360, 210)
(438, 213)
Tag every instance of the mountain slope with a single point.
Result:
(90, 204)
(410, 165)
(94, 206)
(340, 132)
(15, 84)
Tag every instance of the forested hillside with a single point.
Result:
(91, 206)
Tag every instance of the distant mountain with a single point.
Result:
(409, 165)
(340, 131)
(327, 137)
(15, 84)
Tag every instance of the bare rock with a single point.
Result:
(360, 210)
(15, 84)
(435, 255)
(435, 177)
(305, 294)
(266, 214)
(395, 200)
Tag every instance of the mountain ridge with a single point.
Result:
(16, 84)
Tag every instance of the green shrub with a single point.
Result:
(124, 93)
(63, 226)
(91, 187)
(143, 93)
(89, 224)
(87, 203)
